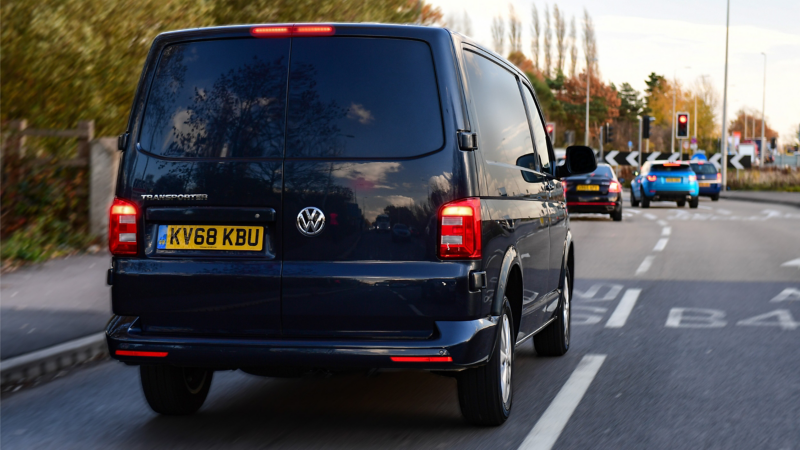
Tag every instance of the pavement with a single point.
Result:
(767, 197)
(686, 335)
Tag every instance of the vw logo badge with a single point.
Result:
(310, 221)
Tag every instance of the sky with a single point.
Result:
(683, 39)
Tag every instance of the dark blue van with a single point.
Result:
(260, 166)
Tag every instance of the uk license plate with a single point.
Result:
(588, 187)
(705, 184)
(673, 180)
(210, 237)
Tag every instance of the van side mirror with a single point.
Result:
(580, 159)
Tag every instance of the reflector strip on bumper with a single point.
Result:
(422, 359)
(145, 354)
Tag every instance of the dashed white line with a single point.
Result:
(624, 308)
(706, 207)
(666, 231)
(549, 427)
(645, 265)
(663, 223)
(650, 216)
(660, 245)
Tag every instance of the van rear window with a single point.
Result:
(362, 98)
(218, 99)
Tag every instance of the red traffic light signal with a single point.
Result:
(682, 128)
(550, 127)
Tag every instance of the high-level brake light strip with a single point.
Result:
(549, 427)
(624, 308)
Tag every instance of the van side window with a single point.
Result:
(503, 132)
(539, 134)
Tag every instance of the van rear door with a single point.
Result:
(207, 174)
(364, 132)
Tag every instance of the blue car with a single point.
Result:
(665, 181)
(708, 178)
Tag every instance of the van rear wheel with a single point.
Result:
(484, 393)
(175, 391)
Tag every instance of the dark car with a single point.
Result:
(709, 180)
(596, 192)
(254, 160)
(400, 232)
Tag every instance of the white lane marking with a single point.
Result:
(611, 294)
(695, 318)
(633, 211)
(587, 315)
(660, 245)
(794, 262)
(666, 231)
(650, 216)
(724, 212)
(663, 223)
(624, 308)
(645, 265)
(545, 433)
(706, 207)
(788, 294)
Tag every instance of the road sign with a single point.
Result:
(619, 158)
(610, 157)
(685, 144)
(631, 159)
(741, 161)
(630, 145)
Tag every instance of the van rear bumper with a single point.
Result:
(468, 343)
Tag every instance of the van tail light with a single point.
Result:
(692, 177)
(460, 229)
(651, 178)
(614, 186)
(719, 178)
(288, 31)
(122, 228)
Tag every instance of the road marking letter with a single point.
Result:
(788, 294)
(783, 318)
(695, 318)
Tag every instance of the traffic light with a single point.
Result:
(682, 130)
(609, 133)
(773, 143)
(550, 127)
(645, 127)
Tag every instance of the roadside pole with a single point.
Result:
(640, 142)
(724, 143)
(601, 144)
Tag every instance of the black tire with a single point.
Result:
(616, 216)
(175, 391)
(715, 198)
(681, 203)
(694, 202)
(554, 340)
(645, 201)
(634, 202)
(480, 391)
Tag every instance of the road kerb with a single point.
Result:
(27, 367)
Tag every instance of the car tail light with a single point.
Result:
(122, 228)
(651, 178)
(460, 229)
(719, 178)
(287, 31)
(614, 187)
(692, 177)
(672, 164)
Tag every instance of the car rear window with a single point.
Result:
(218, 99)
(362, 98)
(602, 171)
(705, 169)
(669, 168)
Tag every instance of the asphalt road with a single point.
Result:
(686, 321)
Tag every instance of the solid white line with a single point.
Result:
(666, 231)
(624, 308)
(549, 427)
(660, 245)
(645, 266)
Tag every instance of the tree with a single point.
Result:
(535, 31)
(514, 30)
(573, 48)
(753, 125)
(603, 106)
(631, 102)
(498, 34)
(548, 45)
(590, 43)
(561, 35)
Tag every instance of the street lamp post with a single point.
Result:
(674, 99)
(724, 143)
(588, 82)
(763, 118)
